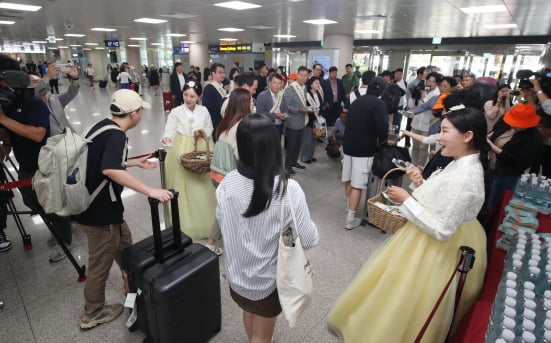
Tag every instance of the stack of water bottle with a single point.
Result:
(522, 307)
(532, 195)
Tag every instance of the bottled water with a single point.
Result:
(520, 189)
(401, 163)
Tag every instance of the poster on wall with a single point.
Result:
(326, 57)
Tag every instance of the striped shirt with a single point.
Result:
(251, 244)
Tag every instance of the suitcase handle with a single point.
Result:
(156, 223)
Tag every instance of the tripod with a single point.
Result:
(7, 205)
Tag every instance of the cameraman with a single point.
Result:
(543, 98)
(27, 119)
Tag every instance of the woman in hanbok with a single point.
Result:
(395, 291)
(185, 123)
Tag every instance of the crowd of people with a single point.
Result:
(471, 142)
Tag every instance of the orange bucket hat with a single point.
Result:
(292, 76)
(522, 116)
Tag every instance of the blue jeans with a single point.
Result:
(501, 184)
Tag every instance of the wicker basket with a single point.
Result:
(197, 161)
(380, 218)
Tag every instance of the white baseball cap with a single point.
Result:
(125, 101)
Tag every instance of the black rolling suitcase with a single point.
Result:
(102, 83)
(181, 292)
(141, 255)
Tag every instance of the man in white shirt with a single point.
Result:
(421, 121)
(366, 77)
(90, 73)
(400, 82)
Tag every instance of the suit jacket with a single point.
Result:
(264, 103)
(176, 88)
(328, 93)
(212, 100)
(290, 105)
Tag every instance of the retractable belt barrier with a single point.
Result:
(28, 182)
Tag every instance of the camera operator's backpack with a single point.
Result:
(391, 97)
(60, 181)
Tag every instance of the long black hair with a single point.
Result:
(260, 153)
(471, 119)
(496, 95)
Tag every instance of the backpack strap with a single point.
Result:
(86, 134)
(357, 92)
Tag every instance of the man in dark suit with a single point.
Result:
(214, 93)
(268, 102)
(177, 82)
(335, 96)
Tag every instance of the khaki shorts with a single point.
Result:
(356, 170)
(268, 307)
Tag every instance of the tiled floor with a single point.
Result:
(43, 300)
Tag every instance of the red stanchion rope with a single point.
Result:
(28, 182)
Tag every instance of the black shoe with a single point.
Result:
(313, 160)
(290, 171)
(308, 162)
(320, 140)
(5, 244)
(299, 166)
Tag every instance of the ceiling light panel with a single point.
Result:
(105, 29)
(176, 35)
(74, 35)
(150, 20)
(228, 39)
(237, 5)
(500, 26)
(138, 38)
(230, 29)
(7, 22)
(319, 21)
(19, 7)
(284, 36)
(484, 9)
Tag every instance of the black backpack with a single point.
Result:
(391, 97)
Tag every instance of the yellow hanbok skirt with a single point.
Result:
(395, 291)
(197, 200)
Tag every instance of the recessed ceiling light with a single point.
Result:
(156, 43)
(319, 21)
(63, 47)
(176, 35)
(261, 27)
(91, 44)
(58, 39)
(133, 46)
(150, 20)
(40, 41)
(7, 22)
(87, 49)
(99, 48)
(367, 31)
(230, 29)
(228, 39)
(500, 26)
(75, 45)
(178, 15)
(52, 48)
(484, 9)
(284, 36)
(138, 38)
(237, 5)
(102, 29)
(10, 6)
(74, 35)
(187, 42)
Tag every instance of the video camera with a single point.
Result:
(544, 78)
(417, 91)
(18, 82)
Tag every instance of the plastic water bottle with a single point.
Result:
(401, 163)
(520, 189)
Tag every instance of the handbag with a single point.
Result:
(382, 161)
(294, 278)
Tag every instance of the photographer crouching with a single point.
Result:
(26, 117)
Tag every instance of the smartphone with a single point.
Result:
(515, 93)
(64, 67)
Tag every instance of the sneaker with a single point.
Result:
(57, 254)
(105, 315)
(350, 225)
(217, 250)
(5, 244)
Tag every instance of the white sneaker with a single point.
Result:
(57, 254)
(354, 223)
(217, 250)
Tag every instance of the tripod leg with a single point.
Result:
(27, 243)
(81, 270)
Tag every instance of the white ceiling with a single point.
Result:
(401, 19)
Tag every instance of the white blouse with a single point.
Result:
(447, 199)
(185, 122)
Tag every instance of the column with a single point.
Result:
(199, 55)
(344, 46)
(398, 59)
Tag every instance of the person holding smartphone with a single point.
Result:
(498, 106)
